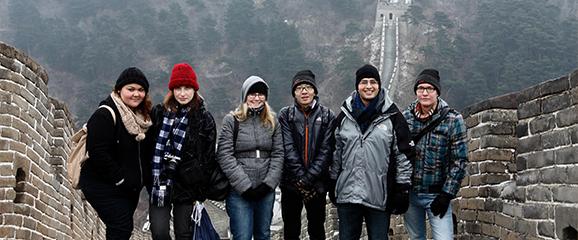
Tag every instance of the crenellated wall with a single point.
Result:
(36, 201)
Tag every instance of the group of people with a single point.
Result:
(366, 159)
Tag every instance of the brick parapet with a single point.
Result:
(36, 200)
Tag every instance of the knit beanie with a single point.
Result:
(131, 75)
(304, 76)
(367, 71)
(430, 76)
(183, 75)
(254, 84)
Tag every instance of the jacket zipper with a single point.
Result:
(306, 150)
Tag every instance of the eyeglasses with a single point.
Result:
(255, 95)
(420, 90)
(368, 82)
(307, 88)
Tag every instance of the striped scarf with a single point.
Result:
(170, 140)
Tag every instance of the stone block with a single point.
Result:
(566, 155)
(554, 86)
(522, 129)
(522, 162)
(492, 167)
(473, 228)
(573, 131)
(467, 215)
(539, 193)
(529, 144)
(499, 115)
(555, 139)
(529, 109)
(490, 230)
(473, 144)
(542, 123)
(528, 177)
(505, 221)
(493, 205)
(565, 194)
(472, 121)
(527, 227)
(556, 102)
(572, 172)
(535, 211)
(565, 217)
(468, 192)
(567, 116)
(546, 229)
(500, 128)
(539, 159)
(554, 175)
(574, 79)
(574, 96)
(498, 141)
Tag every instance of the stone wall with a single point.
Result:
(523, 170)
(36, 200)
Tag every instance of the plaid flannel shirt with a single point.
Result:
(441, 154)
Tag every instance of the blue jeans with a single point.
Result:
(351, 218)
(414, 218)
(250, 218)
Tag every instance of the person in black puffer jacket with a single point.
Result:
(117, 169)
(184, 155)
(306, 128)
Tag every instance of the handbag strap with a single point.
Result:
(432, 125)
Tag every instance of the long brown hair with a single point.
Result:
(171, 104)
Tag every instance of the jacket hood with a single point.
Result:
(249, 82)
(383, 101)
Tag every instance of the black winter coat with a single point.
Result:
(198, 161)
(114, 153)
(293, 123)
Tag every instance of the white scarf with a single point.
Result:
(134, 123)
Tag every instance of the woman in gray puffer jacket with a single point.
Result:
(251, 156)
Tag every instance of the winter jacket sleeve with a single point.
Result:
(293, 166)
(458, 156)
(324, 155)
(403, 152)
(336, 165)
(100, 143)
(276, 163)
(226, 157)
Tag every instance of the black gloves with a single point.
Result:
(398, 199)
(331, 190)
(440, 204)
(306, 191)
(256, 193)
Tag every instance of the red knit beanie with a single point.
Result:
(183, 75)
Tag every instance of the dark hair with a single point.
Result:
(171, 104)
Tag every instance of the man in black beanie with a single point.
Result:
(306, 139)
(371, 170)
(442, 157)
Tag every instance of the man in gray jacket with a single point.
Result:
(371, 170)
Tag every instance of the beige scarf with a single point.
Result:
(135, 123)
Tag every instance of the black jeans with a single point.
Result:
(160, 217)
(291, 206)
(114, 205)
